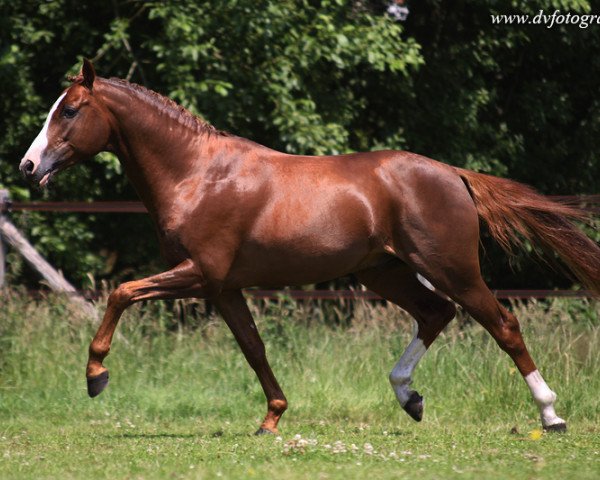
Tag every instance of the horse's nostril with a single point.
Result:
(28, 167)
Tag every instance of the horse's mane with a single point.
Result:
(168, 106)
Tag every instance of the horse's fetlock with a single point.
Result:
(545, 398)
(99, 351)
(278, 405)
(399, 378)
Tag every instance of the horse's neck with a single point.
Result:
(156, 151)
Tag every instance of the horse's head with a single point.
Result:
(77, 127)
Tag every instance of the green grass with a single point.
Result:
(182, 402)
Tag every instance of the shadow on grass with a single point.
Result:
(154, 435)
(397, 433)
(216, 434)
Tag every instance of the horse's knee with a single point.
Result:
(121, 297)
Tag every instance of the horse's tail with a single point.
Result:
(514, 212)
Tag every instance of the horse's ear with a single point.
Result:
(88, 74)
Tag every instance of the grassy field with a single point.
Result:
(182, 402)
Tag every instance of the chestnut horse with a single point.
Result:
(232, 214)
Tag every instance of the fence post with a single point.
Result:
(54, 279)
(4, 199)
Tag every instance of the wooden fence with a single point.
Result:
(10, 235)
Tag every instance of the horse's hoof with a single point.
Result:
(414, 406)
(264, 431)
(557, 427)
(96, 384)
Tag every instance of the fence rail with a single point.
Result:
(79, 207)
(588, 202)
(368, 295)
(278, 294)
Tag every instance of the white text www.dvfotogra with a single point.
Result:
(548, 20)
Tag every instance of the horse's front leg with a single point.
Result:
(183, 281)
(235, 312)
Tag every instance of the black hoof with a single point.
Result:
(558, 428)
(263, 431)
(97, 384)
(414, 406)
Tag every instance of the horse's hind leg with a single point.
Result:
(462, 281)
(504, 327)
(397, 283)
(236, 314)
(439, 238)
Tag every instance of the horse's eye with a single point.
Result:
(69, 112)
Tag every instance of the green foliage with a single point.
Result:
(287, 74)
(520, 101)
(311, 77)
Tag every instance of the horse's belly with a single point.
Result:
(299, 264)
(302, 238)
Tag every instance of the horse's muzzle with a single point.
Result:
(27, 168)
(39, 173)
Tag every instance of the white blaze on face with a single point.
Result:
(544, 397)
(41, 141)
(401, 376)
